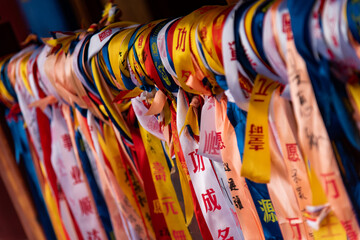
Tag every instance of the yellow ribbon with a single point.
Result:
(52, 206)
(256, 163)
(3, 91)
(203, 26)
(354, 91)
(330, 227)
(111, 150)
(108, 98)
(23, 72)
(181, 49)
(167, 199)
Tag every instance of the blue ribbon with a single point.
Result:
(127, 80)
(353, 18)
(257, 29)
(6, 80)
(95, 189)
(83, 55)
(240, 52)
(107, 109)
(166, 45)
(23, 158)
(163, 74)
(105, 54)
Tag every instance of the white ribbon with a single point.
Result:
(72, 180)
(217, 214)
(231, 66)
(161, 44)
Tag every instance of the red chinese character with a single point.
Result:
(61, 167)
(232, 50)
(252, 62)
(203, 33)
(286, 23)
(159, 171)
(105, 34)
(351, 234)
(295, 227)
(179, 235)
(213, 142)
(198, 162)
(76, 174)
(181, 40)
(185, 74)
(141, 39)
(256, 135)
(332, 22)
(224, 233)
(85, 206)
(292, 152)
(93, 235)
(66, 142)
(169, 204)
(330, 180)
(210, 200)
(219, 140)
(263, 89)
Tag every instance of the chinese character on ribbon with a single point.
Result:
(210, 200)
(60, 165)
(224, 233)
(213, 142)
(295, 227)
(256, 137)
(226, 167)
(66, 142)
(85, 206)
(211, 145)
(138, 229)
(350, 232)
(142, 200)
(219, 140)
(76, 175)
(286, 26)
(159, 171)
(198, 162)
(164, 232)
(267, 208)
(203, 33)
(329, 225)
(157, 206)
(292, 152)
(181, 39)
(232, 184)
(237, 202)
(93, 235)
(179, 235)
(232, 50)
(329, 179)
(168, 202)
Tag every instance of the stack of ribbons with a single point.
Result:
(244, 116)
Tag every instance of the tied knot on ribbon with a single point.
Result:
(195, 102)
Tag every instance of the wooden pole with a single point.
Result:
(18, 193)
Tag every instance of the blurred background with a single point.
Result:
(18, 18)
